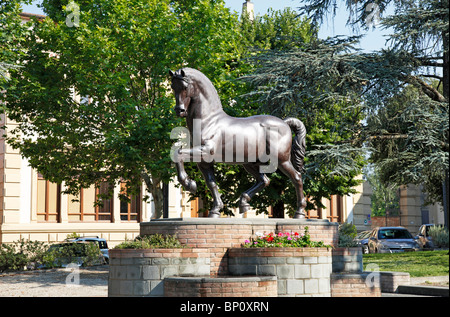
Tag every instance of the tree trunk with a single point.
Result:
(155, 188)
(445, 86)
(278, 210)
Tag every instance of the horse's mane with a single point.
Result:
(203, 83)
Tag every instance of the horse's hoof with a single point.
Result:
(299, 216)
(214, 215)
(244, 208)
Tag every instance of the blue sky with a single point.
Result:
(373, 40)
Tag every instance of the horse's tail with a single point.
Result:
(298, 149)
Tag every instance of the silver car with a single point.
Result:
(391, 240)
(423, 237)
(101, 243)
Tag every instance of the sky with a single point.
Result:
(372, 40)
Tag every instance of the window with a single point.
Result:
(130, 210)
(313, 213)
(394, 234)
(48, 200)
(336, 208)
(87, 207)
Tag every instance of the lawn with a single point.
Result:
(417, 264)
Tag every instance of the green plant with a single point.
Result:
(439, 234)
(10, 259)
(151, 242)
(284, 240)
(21, 254)
(72, 235)
(347, 233)
(417, 264)
(59, 254)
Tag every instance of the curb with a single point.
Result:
(423, 290)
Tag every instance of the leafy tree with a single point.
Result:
(115, 63)
(12, 33)
(384, 198)
(409, 136)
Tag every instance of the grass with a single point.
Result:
(417, 264)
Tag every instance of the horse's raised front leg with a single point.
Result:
(195, 154)
(207, 170)
(262, 181)
(288, 169)
(183, 178)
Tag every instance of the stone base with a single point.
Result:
(142, 272)
(218, 235)
(214, 253)
(300, 272)
(354, 285)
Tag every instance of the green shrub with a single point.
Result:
(347, 234)
(21, 254)
(26, 254)
(151, 242)
(64, 253)
(10, 259)
(439, 234)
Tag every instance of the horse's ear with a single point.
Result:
(171, 73)
(183, 74)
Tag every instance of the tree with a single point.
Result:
(115, 62)
(12, 33)
(410, 139)
(385, 200)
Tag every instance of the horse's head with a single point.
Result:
(182, 89)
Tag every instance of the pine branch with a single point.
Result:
(427, 89)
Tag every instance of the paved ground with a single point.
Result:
(93, 282)
(81, 282)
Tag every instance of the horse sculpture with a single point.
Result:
(260, 143)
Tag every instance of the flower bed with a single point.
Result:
(284, 240)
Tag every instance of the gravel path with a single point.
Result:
(78, 282)
(92, 282)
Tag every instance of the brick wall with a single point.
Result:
(354, 285)
(220, 234)
(391, 280)
(255, 286)
(381, 222)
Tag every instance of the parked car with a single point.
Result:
(391, 239)
(423, 238)
(100, 242)
(362, 239)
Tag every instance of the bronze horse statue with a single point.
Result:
(251, 141)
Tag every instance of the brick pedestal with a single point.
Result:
(218, 235)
